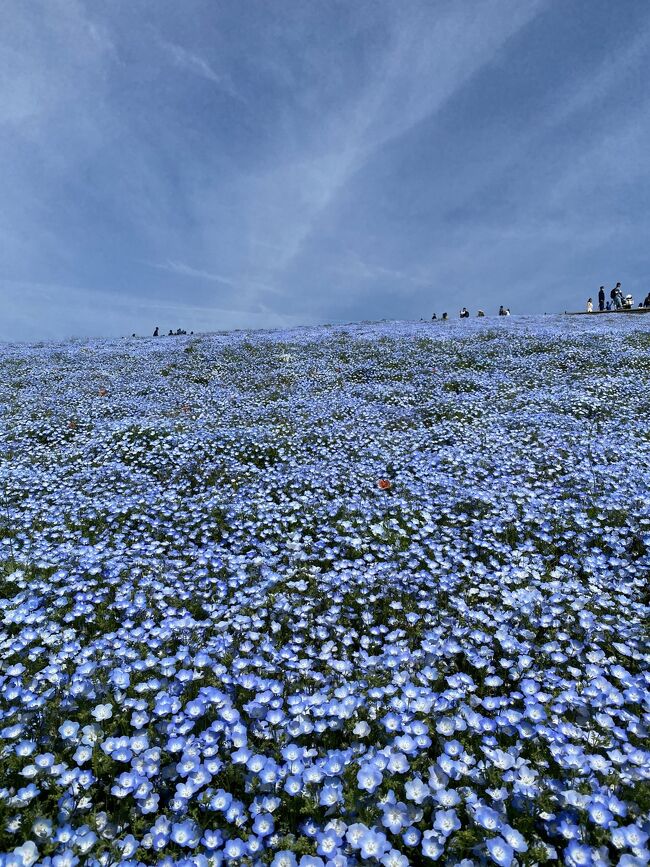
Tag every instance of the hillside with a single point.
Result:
(357, 594)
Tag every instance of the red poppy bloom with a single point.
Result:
(384, 484)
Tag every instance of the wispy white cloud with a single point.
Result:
(197, 65)
(185, 270)
(429, 56)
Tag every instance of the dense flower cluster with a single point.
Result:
(370, 594)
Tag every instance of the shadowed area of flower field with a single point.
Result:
(368, 594)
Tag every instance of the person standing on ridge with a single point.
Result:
(590, 306)
(156, 332)
(601, 298)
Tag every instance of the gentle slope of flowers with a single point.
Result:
(351, 595)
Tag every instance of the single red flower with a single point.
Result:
(384, 484)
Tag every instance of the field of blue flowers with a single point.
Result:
(369, 594)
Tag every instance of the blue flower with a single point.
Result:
(500, 851)
(369, 777)
(446, 822)
(185, 834)
(284, 858)
(578, 855)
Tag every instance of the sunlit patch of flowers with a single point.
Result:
(369, 594)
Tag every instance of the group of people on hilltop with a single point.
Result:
(617, 301)
(464, 313)
(170, 333)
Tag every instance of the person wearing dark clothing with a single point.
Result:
(434, 317)
(156, 332)
(646, 302)
(601, 298)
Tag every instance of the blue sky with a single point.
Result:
(259, 164)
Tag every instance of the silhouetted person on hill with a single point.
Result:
(617, 296)
(601, 298)
(156, 332)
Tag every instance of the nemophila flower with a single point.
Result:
(514, 838)
(293, 784)
(395, 817)
(67, 858)
(221, 800)
(369, 777)
(599, 814)
(416, 790)
(234, 848)
(102, 712)
(361, 729)
(446, 797)
(500, 851)
(635, 836)
(578, 855)
(446, 821)
(487, 818)
(445, 726)
(82, 754)
(355, 833)
(411, 836)
(185, 834)
(285, 858)
(263, 824)
(328, 842)
(211, 839)
(373, 844)
(330, 794)
(394, 858)
(24, 855)
(431, 846)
